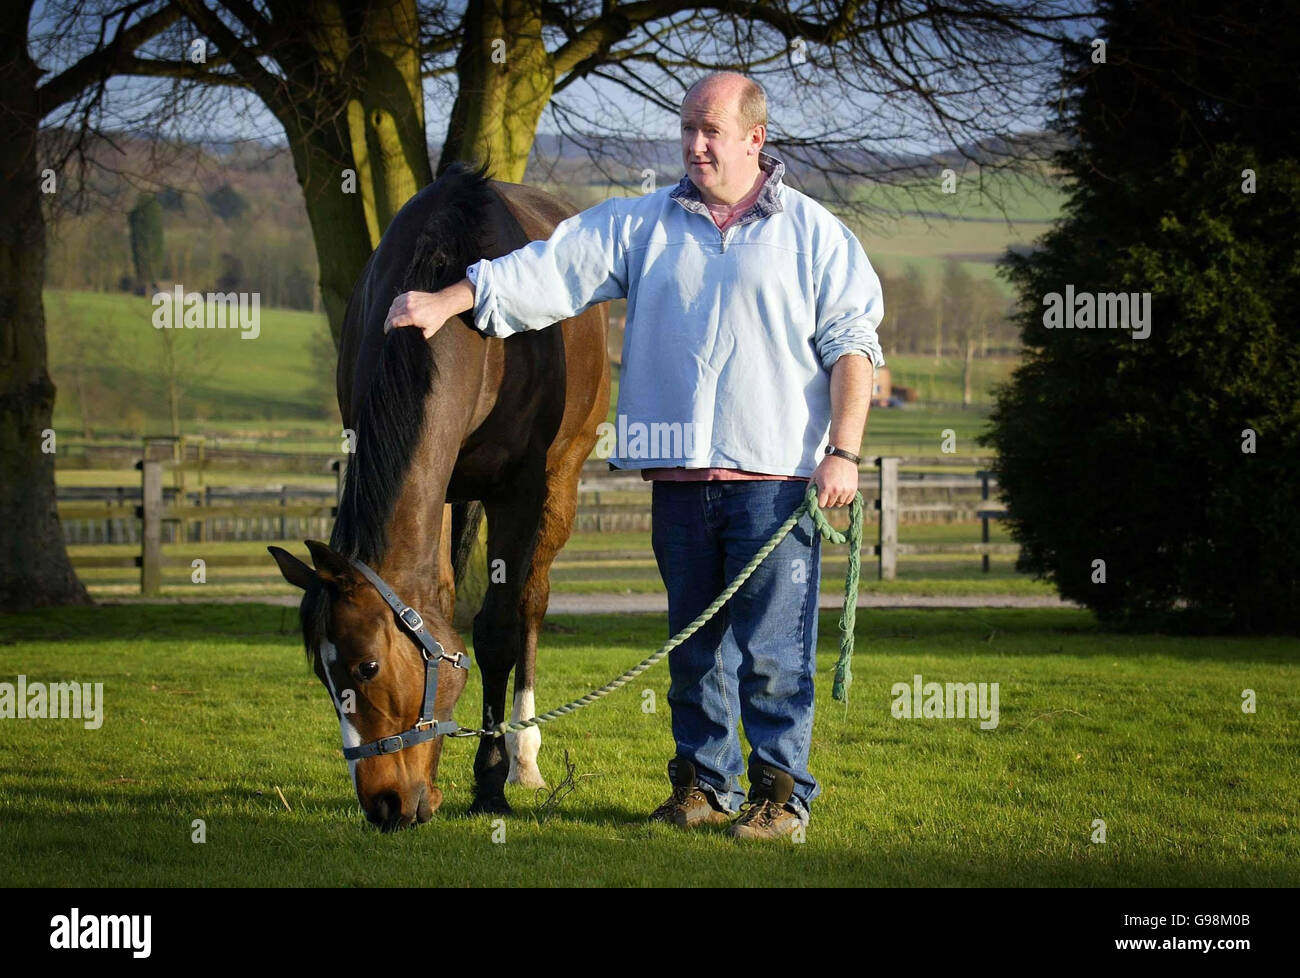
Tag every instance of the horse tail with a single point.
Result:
(465, 520)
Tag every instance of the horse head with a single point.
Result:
(374, 668)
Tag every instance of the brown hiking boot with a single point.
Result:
(689, 806)
(764, 815)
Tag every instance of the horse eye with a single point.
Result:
(367, 670)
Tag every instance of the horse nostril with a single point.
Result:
(385, 809)
(368, 670)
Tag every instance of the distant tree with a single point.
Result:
(910, 315)
(145, 222)
(299, 289)
(1154, 480)
(171, 199)
(227, 203)
(957, 301)
(232, 273)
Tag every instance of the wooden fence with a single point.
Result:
(609, 501)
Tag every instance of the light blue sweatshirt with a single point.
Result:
(730, 336)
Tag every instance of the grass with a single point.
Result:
(210, 709)
(270, 379)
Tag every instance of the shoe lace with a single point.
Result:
(679, 796)
(761, 811)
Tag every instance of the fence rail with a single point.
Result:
(150, 514)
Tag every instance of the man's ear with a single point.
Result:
(294, 570)
(331, 566)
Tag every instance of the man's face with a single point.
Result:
(719, 157)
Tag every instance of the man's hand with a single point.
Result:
(424, 310)
(837, 482)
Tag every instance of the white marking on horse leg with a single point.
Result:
(351, 736)
(523, 746)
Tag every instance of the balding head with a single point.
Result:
(743, 96)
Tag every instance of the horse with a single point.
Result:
(447, 430)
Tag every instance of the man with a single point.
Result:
(750, 338)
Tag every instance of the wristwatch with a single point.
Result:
(843, 453)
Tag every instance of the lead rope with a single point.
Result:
(843, 667)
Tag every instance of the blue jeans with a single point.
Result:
(755, 660)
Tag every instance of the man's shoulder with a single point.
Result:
(820, 232)
(812, 212)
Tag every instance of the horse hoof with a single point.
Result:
(490, 805)
(527, 778)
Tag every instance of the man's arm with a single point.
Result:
(852, 378)
(849, 308)
(582, 263)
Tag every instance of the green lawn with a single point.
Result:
(269, 380)
(211, 709)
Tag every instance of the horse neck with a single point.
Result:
(412, 537)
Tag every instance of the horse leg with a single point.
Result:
(558, 511)
(498, 635)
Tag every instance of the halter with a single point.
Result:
(426, 728)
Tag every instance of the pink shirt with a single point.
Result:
(723, 216)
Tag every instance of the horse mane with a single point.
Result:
(390, 418)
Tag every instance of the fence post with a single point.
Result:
(984, 518)
(151, 527)
(888, 548)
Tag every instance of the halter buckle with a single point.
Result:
(411, 618)
(460, 660)
(389, 745)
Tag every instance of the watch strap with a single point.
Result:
(844, 453)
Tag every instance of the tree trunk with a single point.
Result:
(365, 114)
(967, 368)
(389, 141)
(34, 565)
(505, 79)
(338, 219)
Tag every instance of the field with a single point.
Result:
(211, 709)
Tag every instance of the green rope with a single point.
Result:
(843, 667)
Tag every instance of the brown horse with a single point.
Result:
(488, 425)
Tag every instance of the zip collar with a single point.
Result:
(769, 198)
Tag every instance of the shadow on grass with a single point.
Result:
(607, 846)
(935, 632)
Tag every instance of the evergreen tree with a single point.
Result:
(1173, 459)
(145, 220)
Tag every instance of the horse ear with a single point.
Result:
(331, 566)
(294, 570)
